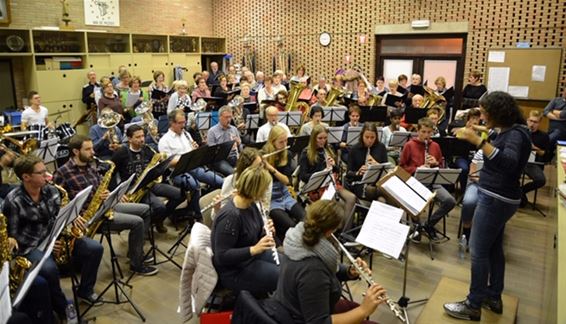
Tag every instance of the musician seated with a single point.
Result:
(272, 120)
(463, 162)
(281, 100)
(177, 142)
(106, 140)
(124, 83)
(387, 133)
(116, 79)
(31, 210)
(158, 102)
(277, 81)
(239, 115)
(248, 77)
(402, 81)
(222, 87)
(380, 85)
(434, 115)
(306, 94)
(473, 91)
(180, 99)
(354, 113)
(394, 91)
(416, 102)
(201, 91)
(285, 211)
(243, 252)
(541, 147)
(321, 85)
(214, 74)
(412, 157)
(224, 132)
(267, 92)
(309, 286)
(79, 173)
(368, 151)
(318, 156)
(89, 90)
(134, 159)
(111, 100)
(245, 89)
(319, 99)
(316, 114)
(259, 81)
(35, 113)
(126, 97)
(361, 94)
(6, 162)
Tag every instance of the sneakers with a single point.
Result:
(71, 314)
(415, 237)
(463, 310)
(92, 299)
(149, 259)
(145, 270)
(494, 305)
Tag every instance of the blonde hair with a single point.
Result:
(535, 113)
(181, 84)
(253, 183)
(442, 80)
(312, 153)
(279, 159)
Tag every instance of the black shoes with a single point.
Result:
(92, 299)
(145, 270)
(463, 310)
(524, 201)
(494, 305)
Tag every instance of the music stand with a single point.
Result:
(47, 150)
(113, 199)
(335, 134)
(318, 180)
(398, 139)
(374, 173)
(252, 121)
(206, 119)
(436, 176)
(453, 146)
(214, 103)
(257, 145)
(290, 118)
(373, 114)
(334, 114)
(412, 115)
(353, 135)
(298, 143)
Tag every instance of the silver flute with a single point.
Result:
(276, 152)
(393, 306)
(268, 232)
(213, 203)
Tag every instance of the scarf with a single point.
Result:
(296, 250)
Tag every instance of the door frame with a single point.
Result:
(13, 90)
(418, 60)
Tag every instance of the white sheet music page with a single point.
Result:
(5, 302)
(381, 233)
(386, 212)
(421, 189)
(329, 193)
(404, 195)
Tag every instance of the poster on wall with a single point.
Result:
(102, 12)
(4, 12)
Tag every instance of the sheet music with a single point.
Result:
(5, 301)
(329, 193)
(398, 138)
(421, 189)
(353, 135)
(404, 195)
(335, 134)
(374, 170)
(113, 199)
(386, 212)
(383, 234)
(132, 99)
(443, 176)
(532, 157)
(317, 180)
(252, 121)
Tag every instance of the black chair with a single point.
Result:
(249, 311)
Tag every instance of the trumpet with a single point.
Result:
(393, 306)
(268, 232)
(276, 152)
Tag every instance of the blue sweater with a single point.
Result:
(502, 170)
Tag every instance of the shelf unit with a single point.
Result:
(55, 63)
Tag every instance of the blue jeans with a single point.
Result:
(464, 164)
(187, 182)
(469, 202)
(486, 248)
(37, 302)
(209, 177)
(556, 134)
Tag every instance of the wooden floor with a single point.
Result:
(530, 274)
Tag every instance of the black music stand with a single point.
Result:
(214, 103)
(251, 107)
(335, 134)
(113, 199)
(202, 156)
(334, 114)
(318, 180)
(392, 100)
(353, 135)
(452, 147)
(252, 124)
(298, 143)
(47, 150)
(206, 119)
(398, 139)
(256, 145)
(436, 176)
(290, 118)
(412, 115)
(373, 114)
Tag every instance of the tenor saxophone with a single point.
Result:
(19, 265)
(137, 196)
(96, 200)
(68, 236)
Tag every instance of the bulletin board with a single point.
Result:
(525, 73)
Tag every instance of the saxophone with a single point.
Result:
(137, 196)
(19, 265)
(69, 235)
(96, 200)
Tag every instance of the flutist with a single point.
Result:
(309, 285)
(242, 250)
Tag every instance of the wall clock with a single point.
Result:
(325, 38)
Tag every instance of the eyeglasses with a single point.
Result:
(42, 172)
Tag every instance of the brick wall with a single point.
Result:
(492, 23)
(136, 16)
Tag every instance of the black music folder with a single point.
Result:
(391, 99)
(448, 94)
(373, 114)
(152, 174)
(412, 115)
(256, 145)
(268, 102)
(202, 156)
(158, 94)
(382, 93)
(298, 143)
(417, 89)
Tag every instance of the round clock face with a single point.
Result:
(325, 39)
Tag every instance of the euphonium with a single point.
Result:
(137, 196)
(96, 200)
(144, 110)
(295, 90)
(109, 121)
(25, 147)
(432, 99)
(331, 96)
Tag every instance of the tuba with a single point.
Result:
(333, 95)
(432, 99)
(137, 196)
(295, 90)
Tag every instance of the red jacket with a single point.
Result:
(412, 155)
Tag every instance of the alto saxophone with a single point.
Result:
(19, 265)
(69, 234)
(137, 196)
(96, 200)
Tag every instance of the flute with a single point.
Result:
(212, 204)
(276, 152)
(268, 232)
(393, 306)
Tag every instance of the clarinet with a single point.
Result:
(393, 306)
(425, 152)
(268, 232)
(367, 165)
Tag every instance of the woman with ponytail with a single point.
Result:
(309, 284)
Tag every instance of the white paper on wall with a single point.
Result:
(498, 79)
(538, 73)
(496, 56)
